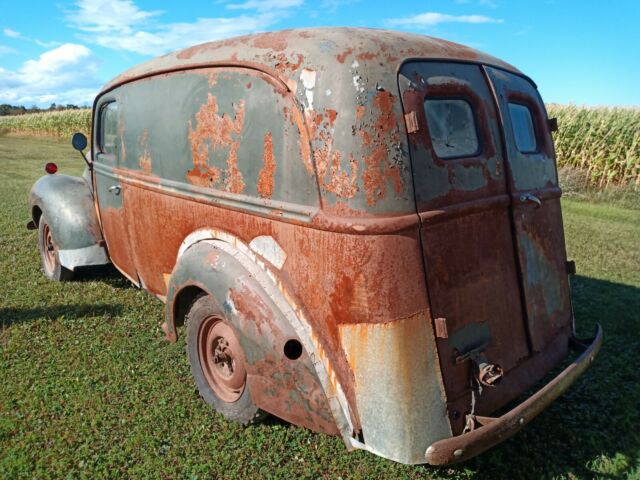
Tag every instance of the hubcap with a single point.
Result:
(48, 249)
(221, 359)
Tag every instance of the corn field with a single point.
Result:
(601, 142)
(56, 124)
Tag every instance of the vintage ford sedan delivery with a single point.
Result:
(360, 229)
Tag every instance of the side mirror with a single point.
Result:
(79, 142)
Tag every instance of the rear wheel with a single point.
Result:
(218, 362)
(49, 256)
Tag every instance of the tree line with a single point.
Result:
(8, 110)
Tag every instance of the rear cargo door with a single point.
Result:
(533, 183)
(463, 201)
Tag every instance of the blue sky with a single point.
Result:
(582, 52)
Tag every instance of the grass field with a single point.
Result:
(90, 389)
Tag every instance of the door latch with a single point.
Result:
(530, 198)
(115, 189)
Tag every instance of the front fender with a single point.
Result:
(289, 388)
(68, 204)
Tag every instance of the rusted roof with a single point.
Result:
(288, 52)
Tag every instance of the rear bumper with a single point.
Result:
(496, 430)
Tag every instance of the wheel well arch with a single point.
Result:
(182, 301)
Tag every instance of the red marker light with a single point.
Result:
(51, 167)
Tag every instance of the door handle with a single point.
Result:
(528, 197)
(115, 189)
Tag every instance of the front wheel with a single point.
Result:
(49, 256)
(218, 362)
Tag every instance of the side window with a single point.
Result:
(523, 130)
(452, 127)
(108, 140)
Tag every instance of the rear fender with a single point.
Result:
(299, 390)
(68, 205)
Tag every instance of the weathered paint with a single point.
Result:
(402, 409)
(372, 147)
(68, 204)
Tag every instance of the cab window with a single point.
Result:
(523, 130)
(452, 127)
(109, 129)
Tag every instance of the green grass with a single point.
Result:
(90, 389)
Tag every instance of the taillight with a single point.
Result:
(51, 167)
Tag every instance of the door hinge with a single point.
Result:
(441, 328)
(411, 119)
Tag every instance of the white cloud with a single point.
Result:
(174, 36)
(66, 74)
(431, 19)
(121, 25)
(11, 33)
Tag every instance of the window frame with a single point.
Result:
(532, 116)
(100, 139)
(479, 139)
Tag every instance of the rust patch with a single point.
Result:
(213, 79)
(276, 41)
(145, 158)
(303, 138)
(366, 56)
(215, 131)
(265, 179)
(341, 183)
(284, 64)
(379, 167)
(341, 57)
(249, 84)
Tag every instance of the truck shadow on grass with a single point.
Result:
(104, 273)
(11, 316)
(591, 430)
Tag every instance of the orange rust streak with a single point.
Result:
(265, 179)
(216, 131)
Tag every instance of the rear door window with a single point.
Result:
(452, 127)
(523, 129)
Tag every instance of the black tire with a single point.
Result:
(205, 318)
(49, 253)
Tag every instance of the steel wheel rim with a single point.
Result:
(221, 359)
(48, 249)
